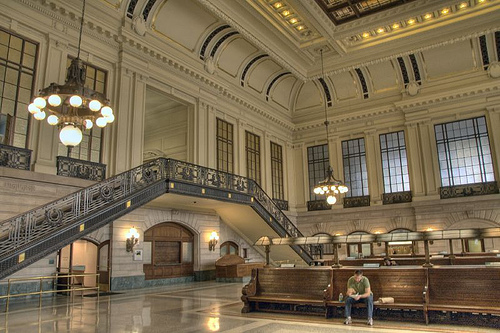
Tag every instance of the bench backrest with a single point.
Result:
(294, 282)
(465, 286)
(405, 285)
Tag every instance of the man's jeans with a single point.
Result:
(350, 301)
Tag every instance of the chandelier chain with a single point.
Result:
(324, 81)
(81, 30)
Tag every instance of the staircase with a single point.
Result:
(29, 237)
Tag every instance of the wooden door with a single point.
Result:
(103, 265)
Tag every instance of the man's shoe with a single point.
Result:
(370, 322)
(348, 321)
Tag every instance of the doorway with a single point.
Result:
(81, 257)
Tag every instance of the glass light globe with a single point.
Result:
(39, 115)
(316, 190)
(40, 102)
(110, 118)
(75, 101)
(70, 135)
(95, 105)
(106, 111)
(52, 120)
(32, 108)
(331, 200)
(54, 100)
(88, 124)
(101, 122)
(325, 188)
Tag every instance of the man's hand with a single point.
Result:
(356, 298)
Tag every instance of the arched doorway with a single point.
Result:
(171, 251)
(77, 258)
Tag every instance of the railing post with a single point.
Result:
(427, 255)
(336, 256)
(41, 291)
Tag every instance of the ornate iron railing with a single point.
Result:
(14, 157)
(72, 167)
(357, 201)
(396, 197)
(282, 204)
(460, 191)
(318, 205)
(32, 235)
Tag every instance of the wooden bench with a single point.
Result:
(232, 266)
(302, 290)
(408, 287)
(472, 289)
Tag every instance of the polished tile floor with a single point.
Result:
(193, 307)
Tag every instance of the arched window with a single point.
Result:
(228, 248)
(402, 247)
(325, 248)
(360, 249)
(171, 251)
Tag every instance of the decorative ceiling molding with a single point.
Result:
(251, 38)
(406, 53)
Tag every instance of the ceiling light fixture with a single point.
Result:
(72, 106)
(445, 11)
(365, 35)
(395, 26)
(330, 187)
(277, 5)
(411, 21)
(293, 21)
(285, 12)
(428, 16)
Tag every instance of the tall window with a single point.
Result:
(464, 152)
(394, 162)
(90, 147)
(224, 146)
(277, 171)
(355, 174)
(252, 147)
(17, 72)
(317, 161)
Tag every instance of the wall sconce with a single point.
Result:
(132, 239)
(214, 238)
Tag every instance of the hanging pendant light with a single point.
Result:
(330, 187)
(72, 106)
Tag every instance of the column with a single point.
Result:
(493, 119)
(127, 132)
(415, 167)
(265, 166)
(374, 166)
(45, 138)
(239, 147)
(429, 157)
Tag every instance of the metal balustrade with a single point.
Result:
(34, 234)
(15, 157)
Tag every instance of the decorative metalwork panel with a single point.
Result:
(282, 204)
(396, 197)
(71, 167)
(357, 201)
(14, 157)
(460, 191)
(318, 205)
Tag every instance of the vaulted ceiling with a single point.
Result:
(270, 49)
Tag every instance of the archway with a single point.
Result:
(172, 251)
(77, 258)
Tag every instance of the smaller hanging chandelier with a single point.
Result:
(330, 187)
(72, 106)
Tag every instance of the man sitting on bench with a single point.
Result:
(358, 290)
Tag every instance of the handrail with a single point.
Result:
(40, 292)
(25, 230)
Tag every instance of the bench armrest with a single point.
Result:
(250, 289)
(328, 293)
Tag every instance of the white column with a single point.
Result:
(265, 166)
(494, 135)
(127, 136)
(45, 138)
(429, 157)
(240, 152)
(374, 166)
(415, 167)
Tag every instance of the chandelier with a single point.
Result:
(72, 106)
(330, 187)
